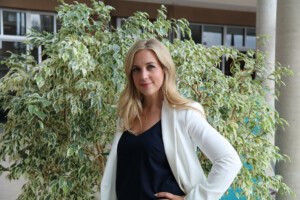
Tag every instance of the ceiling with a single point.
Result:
(240, 5)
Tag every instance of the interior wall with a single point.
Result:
(36, 5)
(192, 14)
(127, 8)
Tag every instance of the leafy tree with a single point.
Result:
(62, 112)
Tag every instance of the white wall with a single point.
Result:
(9, 190)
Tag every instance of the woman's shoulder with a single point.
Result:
(185, 108)
(192, 108)
(196, 105)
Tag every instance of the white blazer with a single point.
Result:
(183, 130)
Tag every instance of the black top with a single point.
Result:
(142, 166)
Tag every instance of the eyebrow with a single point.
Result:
(148, 63)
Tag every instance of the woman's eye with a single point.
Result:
(135, 69)
(151, 66)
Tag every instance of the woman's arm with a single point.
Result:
(225, 160)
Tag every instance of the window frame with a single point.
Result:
(17, 38)
(244, 48)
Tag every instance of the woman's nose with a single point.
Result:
(144, 74)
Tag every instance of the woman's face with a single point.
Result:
(147, 73)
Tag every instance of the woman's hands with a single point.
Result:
(168, 196)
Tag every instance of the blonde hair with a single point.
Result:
(130, 101)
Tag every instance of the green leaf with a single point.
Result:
(40, 114)
(82, 170)
(32, 109)
(40, 80)
(41, 125)
(48, 197)
(53, 186)
(65, 189)
(80, 154)
(46, 103)
(116, 48)
(69, 184)
(70, 151)
(62, 182)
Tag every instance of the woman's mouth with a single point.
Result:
(145, 84)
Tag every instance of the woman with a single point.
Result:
(153, 155)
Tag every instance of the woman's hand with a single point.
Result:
(168, 196)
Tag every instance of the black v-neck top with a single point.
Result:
(142, 166)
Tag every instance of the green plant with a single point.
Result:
(62, 111)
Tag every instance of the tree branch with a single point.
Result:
(100, 157)
(233, 112)
(43, 122)
(65, 117)
(249, 115)
(197, 93)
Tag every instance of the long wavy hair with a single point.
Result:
(130, 102)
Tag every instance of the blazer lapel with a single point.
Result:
(168, 116)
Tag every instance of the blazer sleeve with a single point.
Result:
(225, 160)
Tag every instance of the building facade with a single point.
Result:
(212, 22)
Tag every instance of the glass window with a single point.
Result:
(196, 32)
(234, 36)
(212, 35)
(251, 38)
(14, 23)
(15, 47)
(227, 64)
(35, 53)
(42, 22)
(120, 22)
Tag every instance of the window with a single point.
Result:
(120, 21)
(15, 24)
(212, 35)
(196, 31)
(241, 38)
(42, 22)
(251, 38)
(15, 47)
(235, 37)
(238, 37)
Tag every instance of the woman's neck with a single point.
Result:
(152, 103)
